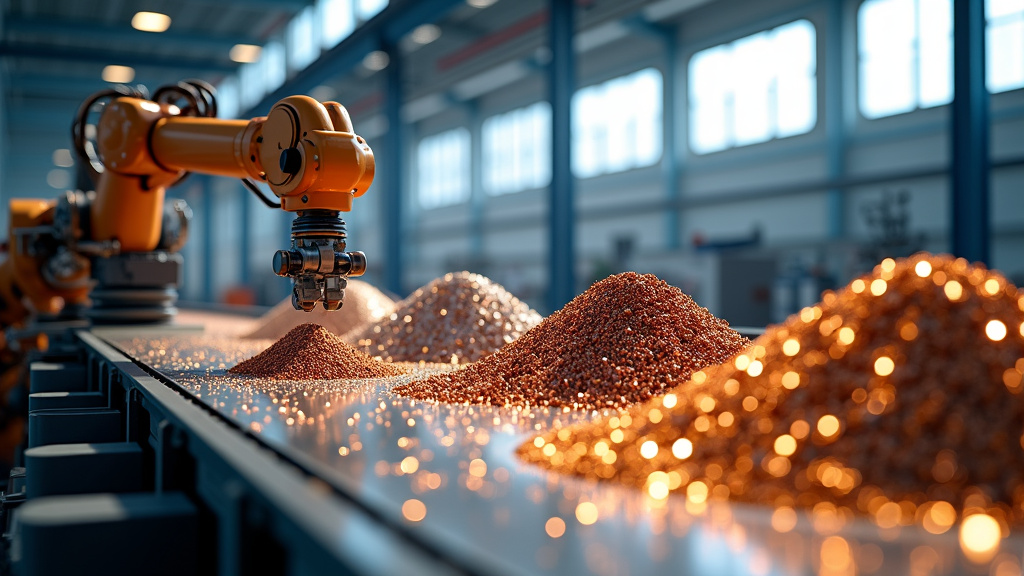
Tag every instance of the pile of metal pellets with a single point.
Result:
(456, 319)
(897, 397)
(627, 338)
(312, 352)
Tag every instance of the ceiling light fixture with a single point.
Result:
(62, 158)
(480, 3)
(151, 21)
(376, 60)
(425, 34)
(118, 74)
(245, 53)
(59, 179)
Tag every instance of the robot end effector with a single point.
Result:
(317, 261)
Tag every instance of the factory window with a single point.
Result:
(442, 169)
(337, 20)
(227, 98)
(906, 55)
(250, 78)
(617, 124)
(517, 149)
(754, 89)
(303, 39)
(272, 60)
(1005, 49)
(366, 9)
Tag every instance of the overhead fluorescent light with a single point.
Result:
(59, 179)
(665, 8)
(600, 35)
(376, 60)
(425, 34)
(62, 158)
(151, 21)
(424, 107)
(118, 74)
(491, 80)
(245, 53)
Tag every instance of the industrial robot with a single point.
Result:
(305, 151)
(110, 254)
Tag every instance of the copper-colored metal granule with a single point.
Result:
(364, 304)
(898, 397)
(458, 318)
(311, 352)
(625, 339)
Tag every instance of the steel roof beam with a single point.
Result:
(75, 32)
(62, 87)
(127, 58)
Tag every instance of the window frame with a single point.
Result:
(723, 95)
(597, 90)
(914, 56)
(999, 21)
(434, 143)
(538, 155)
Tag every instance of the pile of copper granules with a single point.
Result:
(363, 305)
(311, 352)
(625, 339)
(898, 397)
(456, 319)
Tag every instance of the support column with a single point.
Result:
(476, 182)
(561, 217)
(394, 170)
(970, 139)
(835, 117)
(670, 160)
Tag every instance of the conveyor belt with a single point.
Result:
(446, 480)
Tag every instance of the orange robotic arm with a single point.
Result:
(305, 151)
